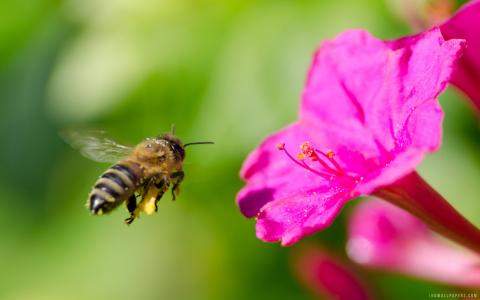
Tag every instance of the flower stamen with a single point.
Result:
(312, 153)
(330, 167)
(301, 161)
(330, 156)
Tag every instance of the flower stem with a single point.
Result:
(413, 194)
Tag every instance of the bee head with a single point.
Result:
(175, 144)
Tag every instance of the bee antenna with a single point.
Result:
(173, 128)
(198, 143)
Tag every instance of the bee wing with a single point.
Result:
(96, 145)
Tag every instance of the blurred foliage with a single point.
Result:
(227, 71)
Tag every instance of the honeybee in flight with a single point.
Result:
(145, 171)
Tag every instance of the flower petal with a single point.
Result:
(379, 98)
(272, 175)
(302, 213)
(328, 276)
(465, 24)
(266, 160)
(384, 236)
(371, 105)
(288, 200)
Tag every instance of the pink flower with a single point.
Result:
(368, 116)
(465, 24)
(386, 237)
(328, 276)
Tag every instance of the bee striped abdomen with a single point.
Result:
(114, 187)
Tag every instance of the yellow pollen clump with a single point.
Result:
(308, 151)
(148, 203)
(306, 147)
(300, 156)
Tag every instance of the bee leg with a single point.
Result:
(162, 187)
(176, 178)
(131, 203)
(131, 206)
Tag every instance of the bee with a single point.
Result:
(145, 171)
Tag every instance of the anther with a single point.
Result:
(308, 151)
(329, 166)
(330, 154)
(300, 161)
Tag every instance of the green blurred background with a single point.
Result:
(227, 71)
